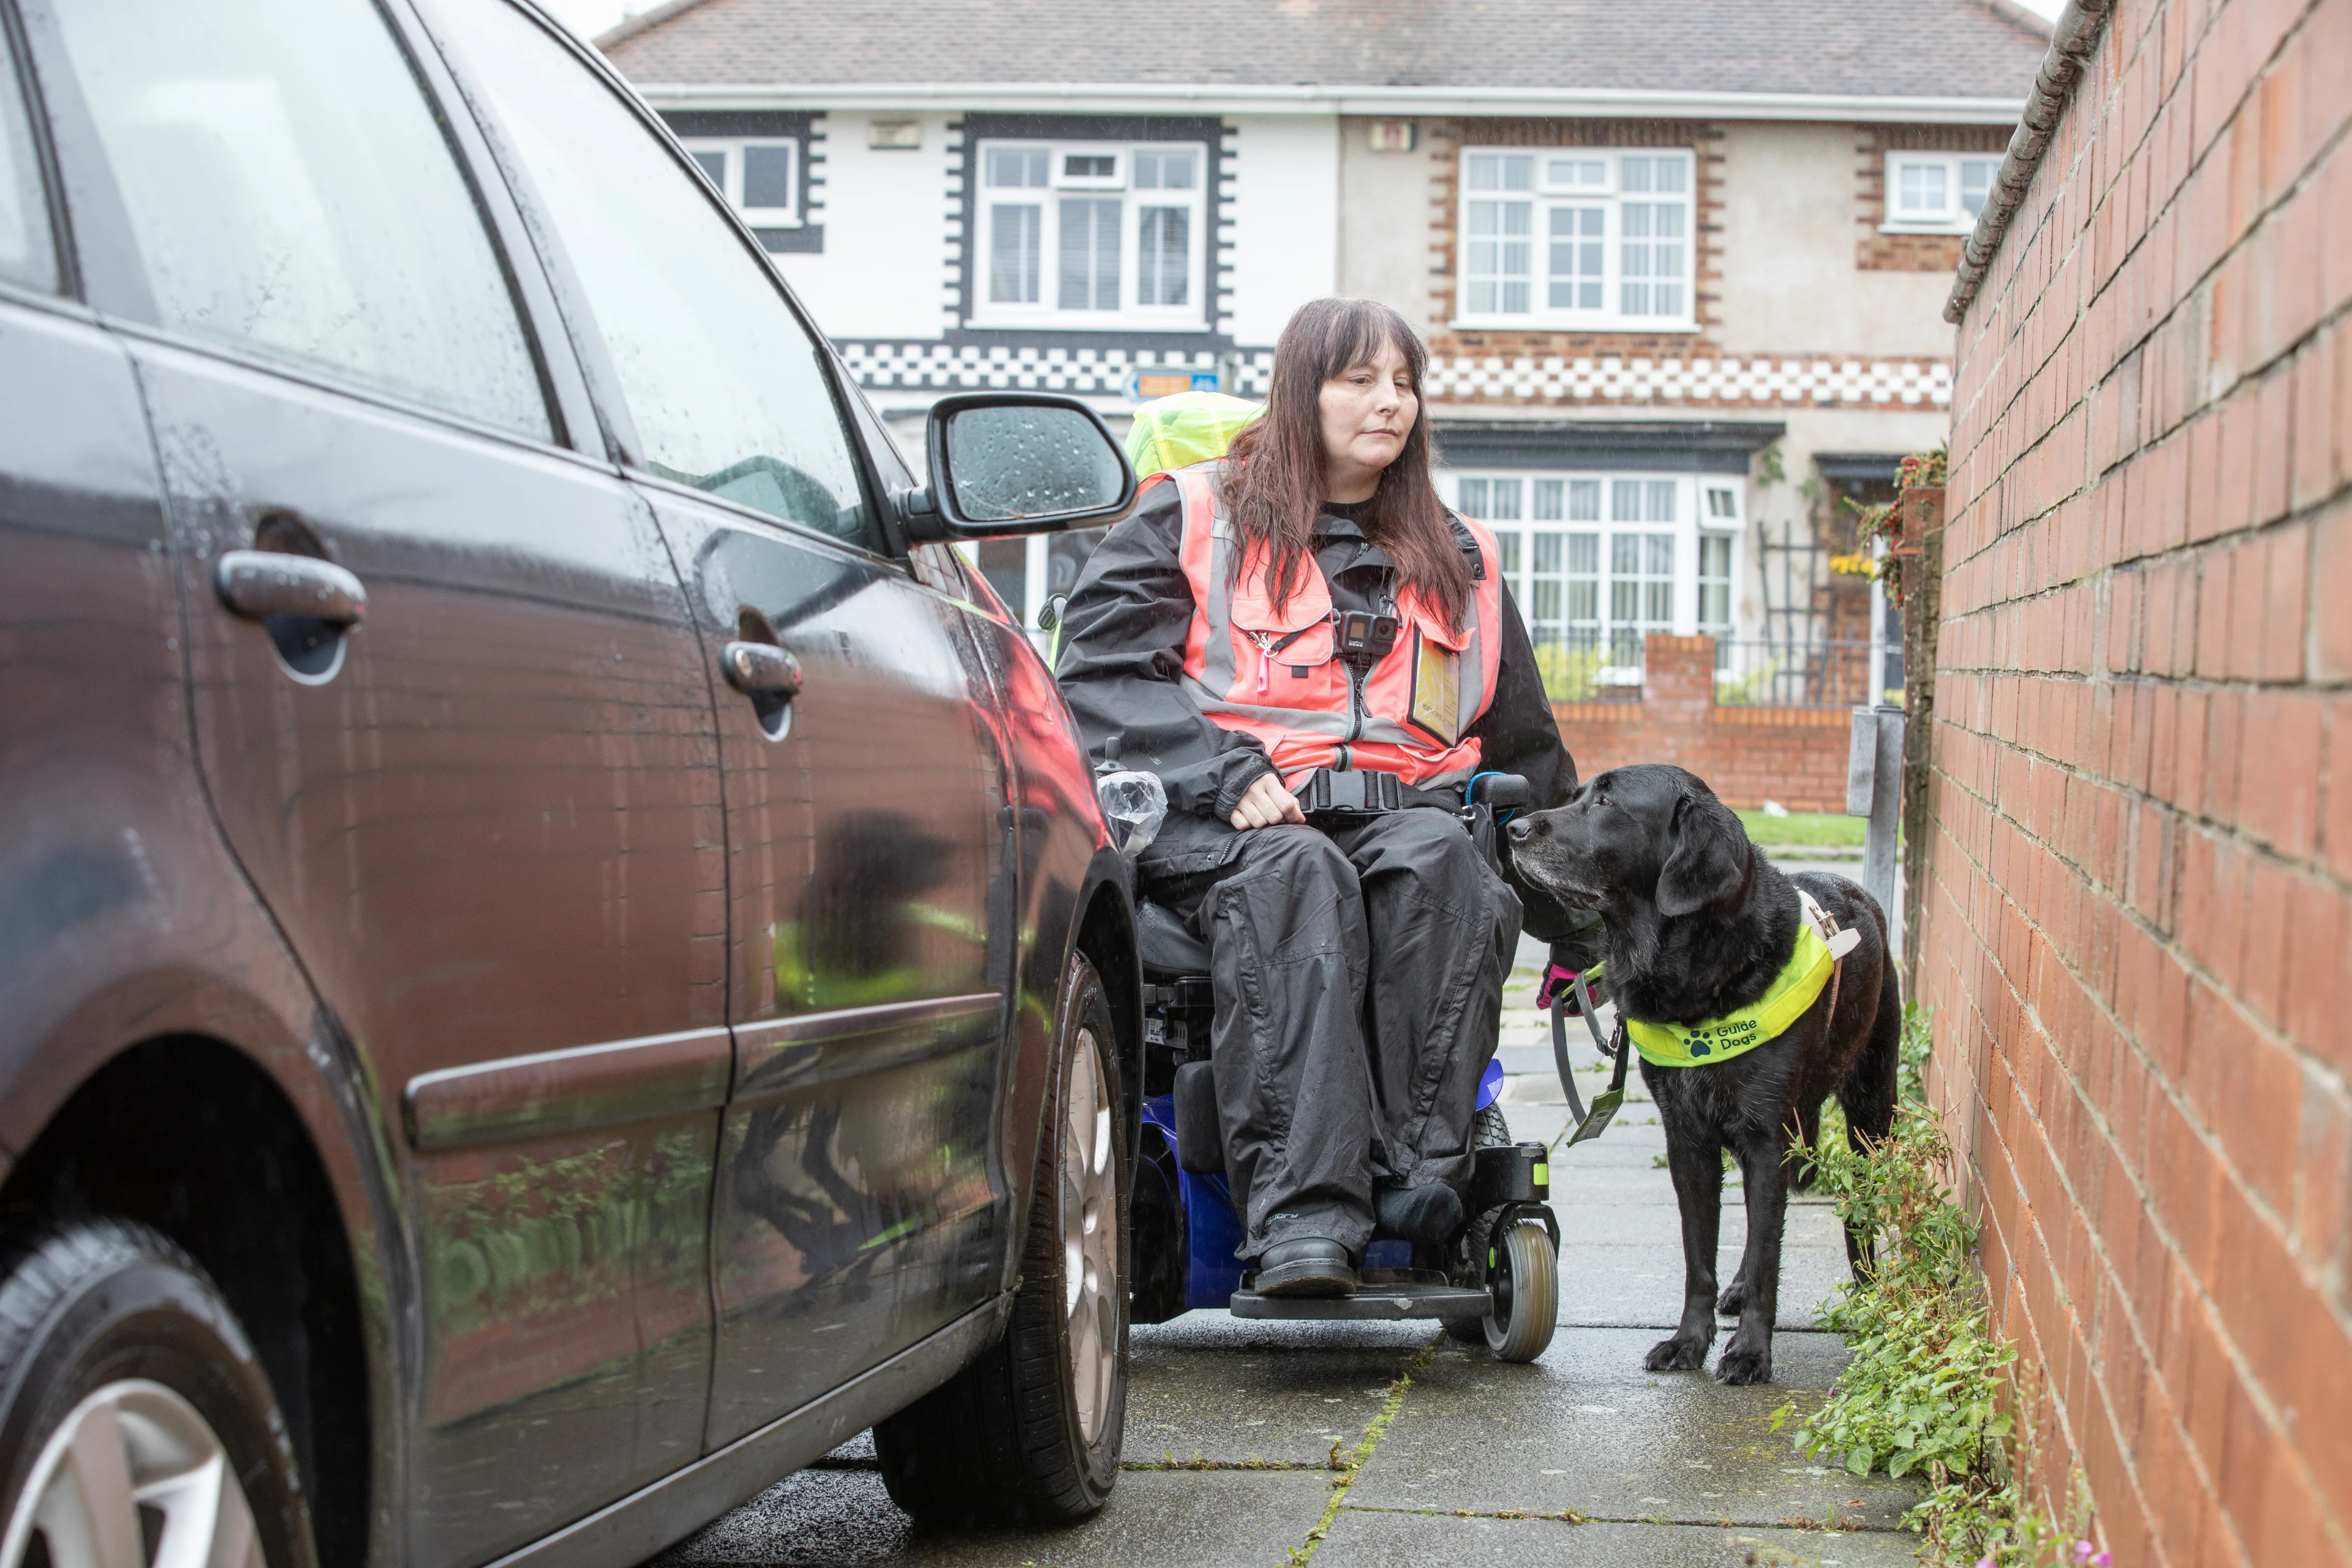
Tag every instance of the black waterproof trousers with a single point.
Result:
(1359, 983)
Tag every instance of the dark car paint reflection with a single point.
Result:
(868, 857)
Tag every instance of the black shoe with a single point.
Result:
(1309, 1266)
(1430, 1214)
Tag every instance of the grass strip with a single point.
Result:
(1352, 1462)
(1804, 830)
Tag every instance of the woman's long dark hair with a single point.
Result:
(1274, 487)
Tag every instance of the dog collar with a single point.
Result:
(1821, 948)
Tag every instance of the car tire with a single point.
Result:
(136, 1423)
(1030, 1433)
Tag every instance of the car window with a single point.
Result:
(292, 195)
(25, 254)
(726, 389)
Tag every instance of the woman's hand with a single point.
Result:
(1266, 803)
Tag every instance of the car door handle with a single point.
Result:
(761, 669)
(259, 583)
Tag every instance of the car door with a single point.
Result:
(858, 1205)
(487, 815)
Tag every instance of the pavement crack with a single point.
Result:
(1350, 1464)
(1579, 1516)
(1555, 1516)
(1202, 1462)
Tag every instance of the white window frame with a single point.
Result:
(1046, 312)
(1574, 179)
(1951, 215)
(731, 187)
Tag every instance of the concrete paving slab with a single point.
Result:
(1369, 1539)
(1212, 1386)
(1585, 1427)
(843, 1519)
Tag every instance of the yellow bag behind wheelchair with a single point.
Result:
(1187, 427)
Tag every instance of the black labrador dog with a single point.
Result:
(1700, 925)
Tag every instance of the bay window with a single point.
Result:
(1089, 236)
(1582, 238)
(1596, 562)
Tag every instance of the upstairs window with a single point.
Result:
(761, 178)
(1579, 238)
(1089, 236)
(1937, 192)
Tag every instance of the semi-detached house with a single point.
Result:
(1680, 264)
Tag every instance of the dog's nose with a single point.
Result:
(1519, 831)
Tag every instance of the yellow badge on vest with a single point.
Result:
(1436, 689)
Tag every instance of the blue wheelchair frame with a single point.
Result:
(1213, 1230)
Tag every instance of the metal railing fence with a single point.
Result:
(1767, 673)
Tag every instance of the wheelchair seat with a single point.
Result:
(1166, 944)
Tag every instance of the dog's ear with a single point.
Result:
(1706, 858)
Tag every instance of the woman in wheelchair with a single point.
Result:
(1297, 619)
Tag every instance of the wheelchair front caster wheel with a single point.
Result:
(1525, 1279)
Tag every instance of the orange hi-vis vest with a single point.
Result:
(1279, 676)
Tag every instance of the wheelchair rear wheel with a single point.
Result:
(1488, 1130)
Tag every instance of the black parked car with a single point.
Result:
(558, 956)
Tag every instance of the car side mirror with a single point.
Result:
(1008, 463)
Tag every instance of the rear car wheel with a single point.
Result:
(1030, 1433)
(136, 1426)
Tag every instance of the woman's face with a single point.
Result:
(1368, 409)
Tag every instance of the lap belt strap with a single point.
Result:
(1351, 791)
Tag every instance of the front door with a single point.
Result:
(487, 816)
(858, 1205)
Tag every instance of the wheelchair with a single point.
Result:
(1496, 1281)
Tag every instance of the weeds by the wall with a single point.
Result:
(1925, 1391)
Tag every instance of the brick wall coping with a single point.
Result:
(2071, 42)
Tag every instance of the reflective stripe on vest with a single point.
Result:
(1277, 676)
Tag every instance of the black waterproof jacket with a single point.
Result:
(1122, 662)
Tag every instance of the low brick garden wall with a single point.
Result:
(1796, 756)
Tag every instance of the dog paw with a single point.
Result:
(1727, 1305)
(1676, 1354)
(1744, 1366)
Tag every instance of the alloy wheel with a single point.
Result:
(134, 1478)
(1090, 1271)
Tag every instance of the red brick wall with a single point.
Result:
(2139, 910)
(1747, 755)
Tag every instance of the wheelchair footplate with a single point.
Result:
(1381, 1295)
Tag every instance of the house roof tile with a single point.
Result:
(1945, 48)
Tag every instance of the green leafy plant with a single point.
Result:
(1918, 1044)
(1921, 1388)
(1931, 1392)
(1918, 471)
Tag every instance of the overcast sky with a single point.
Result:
(591, 17)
